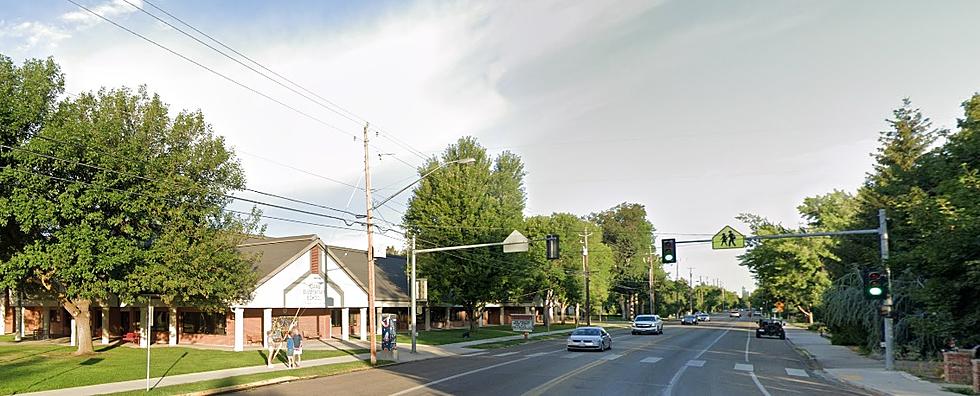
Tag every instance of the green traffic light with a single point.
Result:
(668, 257)
(875, 291)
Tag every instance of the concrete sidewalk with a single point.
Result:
(844, 365)
(403, 355)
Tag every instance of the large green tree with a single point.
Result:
(121, 200)
(468, 204)
(627, 231)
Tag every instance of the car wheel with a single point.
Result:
(782, 336)
(569, 349)
(757, 335)
(633, 332)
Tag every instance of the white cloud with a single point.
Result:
(33, 34)
(108, 9)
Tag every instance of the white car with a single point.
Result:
(589, 338)
(703, 317)
(643, 324)
(734, 313)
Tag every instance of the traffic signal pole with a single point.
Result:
(889, 323)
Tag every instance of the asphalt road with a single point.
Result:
(721, 357)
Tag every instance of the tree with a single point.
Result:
(467, 204)
(628, 232)
(122, 200)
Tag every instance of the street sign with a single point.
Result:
(728, 238)
(516, 243)
(523, 323)
(422, 289)
(779, 306)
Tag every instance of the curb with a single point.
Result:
(250, 385)
(817, 368)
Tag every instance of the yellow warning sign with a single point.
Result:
(728, 238)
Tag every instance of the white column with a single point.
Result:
(329, 325)
(362, 324)
(266, 326)
(3, 313)
(105, 325)
(345, 324)
(173, 326)
(144, 332)
(501, 314)
(74, 334)
(239, 329)
(377, 319)
(46, 320)
(23, 318)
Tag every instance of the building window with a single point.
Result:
(161, 320)
(53, 315)
(203, 323)
(335, 319)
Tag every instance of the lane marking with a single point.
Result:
(450, 378)
(540, 354)
(797, 372)
(680, 372)
(695, 363)
(758, 384)
(612, 357)
(541, 389)
(744, 367)
(651, 360)
(572, 355)
(475, 354)
(505, 354)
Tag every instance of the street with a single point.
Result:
(720, 357)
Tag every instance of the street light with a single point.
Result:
(370, 206)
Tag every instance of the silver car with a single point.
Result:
(589, 338)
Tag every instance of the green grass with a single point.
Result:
(451, 336)
(960, 390)
(29, 368)
(300, 373)
(510, 343)
(7, 338)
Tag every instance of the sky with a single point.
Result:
(699, 110)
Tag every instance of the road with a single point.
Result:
(720, 357)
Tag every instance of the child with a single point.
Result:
(290, 349)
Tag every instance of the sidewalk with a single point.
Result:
(404, 355)
(843, 364)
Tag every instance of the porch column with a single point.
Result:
(501, 314)
(362, 319)
(74, 334)
(23, 318)
(144, 332)
(239, 329)
(3, 313)
(105, 325)
(172, 340)
(449, 319)
(46, 320)
(479, 320)
(266, 326)
(345, 324)
(428, 318)
(377, 320)
(329, 324)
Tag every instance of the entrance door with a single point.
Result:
(124, 321)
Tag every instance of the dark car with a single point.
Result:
(770, 328)
(689, 320)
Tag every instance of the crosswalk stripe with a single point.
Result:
(476, 354)
(538, 354)
(744, 367)
(611, 357)
(572, 355)
(651, 360)
(797, 372)
(505, 354)
(695, 363)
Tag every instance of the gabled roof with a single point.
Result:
(275, 253)
(390, 279)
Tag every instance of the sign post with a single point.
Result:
(522, 323)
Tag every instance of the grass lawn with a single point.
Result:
(7, 338)
(441, 337)
(29, 368)
(510, 343)
(300, 373)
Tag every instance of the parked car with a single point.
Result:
(756, 312)
(770, 328)
(703, 317)
(589, 338)
(689, 320)
(734, 313)
(643, 324)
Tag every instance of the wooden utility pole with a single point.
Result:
(373, 316)
(585, 271)
(651, 281)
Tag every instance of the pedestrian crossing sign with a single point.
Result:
(728, 238)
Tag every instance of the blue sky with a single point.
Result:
(700, 110)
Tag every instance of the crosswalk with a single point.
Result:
(634, 357)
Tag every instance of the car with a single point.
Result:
(643, 324)
(770, 328)
(756, 312)
(595, 338)
(703, 317)
(689, 320)
(734, 313)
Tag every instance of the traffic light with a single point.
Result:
(875, 285)
(551, 247)
(668, 249)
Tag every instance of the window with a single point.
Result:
(161, 320)
(202, 323)
(53, 314)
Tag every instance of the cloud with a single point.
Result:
(33, 34)
(108, 9)
(39, 34)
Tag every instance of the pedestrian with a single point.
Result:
(270, 345)
(297, 347)
(290, 349)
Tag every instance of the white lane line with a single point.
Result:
(572, 355)
(450, 378)
(651, 360)
(743, 367)
(758, 384)
(695, 363)
(680, 372)
(505, 354)
(612, 357)
(540, 354)
(475, 354)
(797, 372)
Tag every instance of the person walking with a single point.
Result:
(297, 347)
(290, 349)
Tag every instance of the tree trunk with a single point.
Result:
(809, 315)
(472, 318)
(79, 309)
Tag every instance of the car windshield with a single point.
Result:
(646, 318)
(688, 317)
(591, 332)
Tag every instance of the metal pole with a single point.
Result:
(372, 315)
(889, 323)
(414, 294)
(585, 263)
(149, 339)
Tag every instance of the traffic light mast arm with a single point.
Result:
(784, 236)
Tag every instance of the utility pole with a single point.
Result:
(690, 275)
(373, 316)
(585, 271)
(889, 332)
(650, 282)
